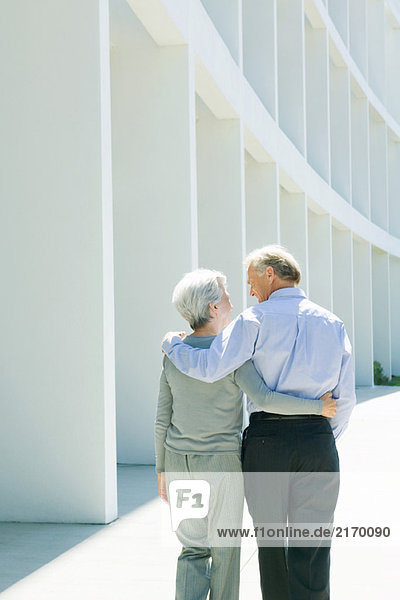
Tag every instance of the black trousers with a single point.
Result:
(291, 475)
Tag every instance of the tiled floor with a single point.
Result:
(135, 556)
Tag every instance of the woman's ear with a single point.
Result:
(213, 308)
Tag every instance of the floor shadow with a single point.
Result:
(137, 485)
(25, 547)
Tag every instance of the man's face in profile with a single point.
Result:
(260, 285)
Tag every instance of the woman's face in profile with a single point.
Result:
(224, 310)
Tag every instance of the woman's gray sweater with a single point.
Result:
(194, 417)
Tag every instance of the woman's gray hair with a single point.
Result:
(193, 294)
(284, 264)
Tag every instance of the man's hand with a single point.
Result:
(330, 408)
(182, 335)
(162, 488)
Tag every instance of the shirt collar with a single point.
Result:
(290, 292)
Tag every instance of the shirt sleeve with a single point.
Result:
(230, 349)
(252, 384)
(163, 420)
(345, 391)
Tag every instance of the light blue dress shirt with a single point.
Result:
(298, 347)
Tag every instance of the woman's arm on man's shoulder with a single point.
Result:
(230, 349)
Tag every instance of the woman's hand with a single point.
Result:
(329, 408)
(182, 335)
(162, 488)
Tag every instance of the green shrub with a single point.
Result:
(379, 376)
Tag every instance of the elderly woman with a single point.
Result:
(198, 429)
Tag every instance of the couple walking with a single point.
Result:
(292, 358)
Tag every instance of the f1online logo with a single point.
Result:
(188, 499)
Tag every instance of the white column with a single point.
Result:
(381, 310)
(376, 46)
(294, 230)
(360, 152)
(154, 169)
(260, 50)
(320, 259)
(262, 204)
(392, 59)
(363, 332)
(339, 13)
(222, 227)
(358, 33)
(395, 313)
(342, 278)
(226, 16)
(57, 318)
(340, 129)
(291, 71)
(378, 170)
(394, 184)
(317, 105)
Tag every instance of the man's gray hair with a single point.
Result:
(284, 264)
(193, 294)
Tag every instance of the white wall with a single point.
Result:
(378, 171)
(381, 310)
(317, 99)
(221, 219)
(296, 135)
(363, 325)
(343, 277)
(393, 184)
(262, 204)
(291, 70)
(376, 46)
(358, 33)
(153, 112)
(226, 16)
(339, 13)
(394, 264)
(57, 433)
(360, 157)
(294, 230)
(283, 148)
(339, 87)
(260, 40)
(320, 259)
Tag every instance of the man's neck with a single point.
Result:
(280, 285)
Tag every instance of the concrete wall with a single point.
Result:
(207, 140)
(293, 144)
(57, 433)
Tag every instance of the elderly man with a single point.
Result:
(302, 349)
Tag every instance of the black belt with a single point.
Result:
(264, 416)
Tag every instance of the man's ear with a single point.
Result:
(269, 271)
